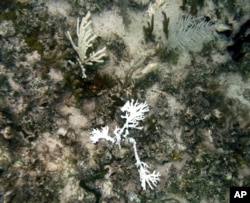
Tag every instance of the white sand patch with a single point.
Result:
(58, 7)
(235, 87)
(55, 75)
(71, 190)
(111, 22)
(75, 118)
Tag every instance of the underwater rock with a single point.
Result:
(222, 28)
(240, 39)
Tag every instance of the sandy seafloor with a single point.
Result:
(196, 134)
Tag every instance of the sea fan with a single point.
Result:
(189, 33)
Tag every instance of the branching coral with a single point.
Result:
(85, 41)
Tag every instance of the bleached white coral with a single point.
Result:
(134, 112)
(97, 134)
(182, 33)
(148, 178)
(189, 33)
(85, 41)
(136, 108)
(145, 176)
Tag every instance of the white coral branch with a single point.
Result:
(145, 176)
(96, 135)
(85, 41)
(134, 113)
(148, 178)
(96, 56)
